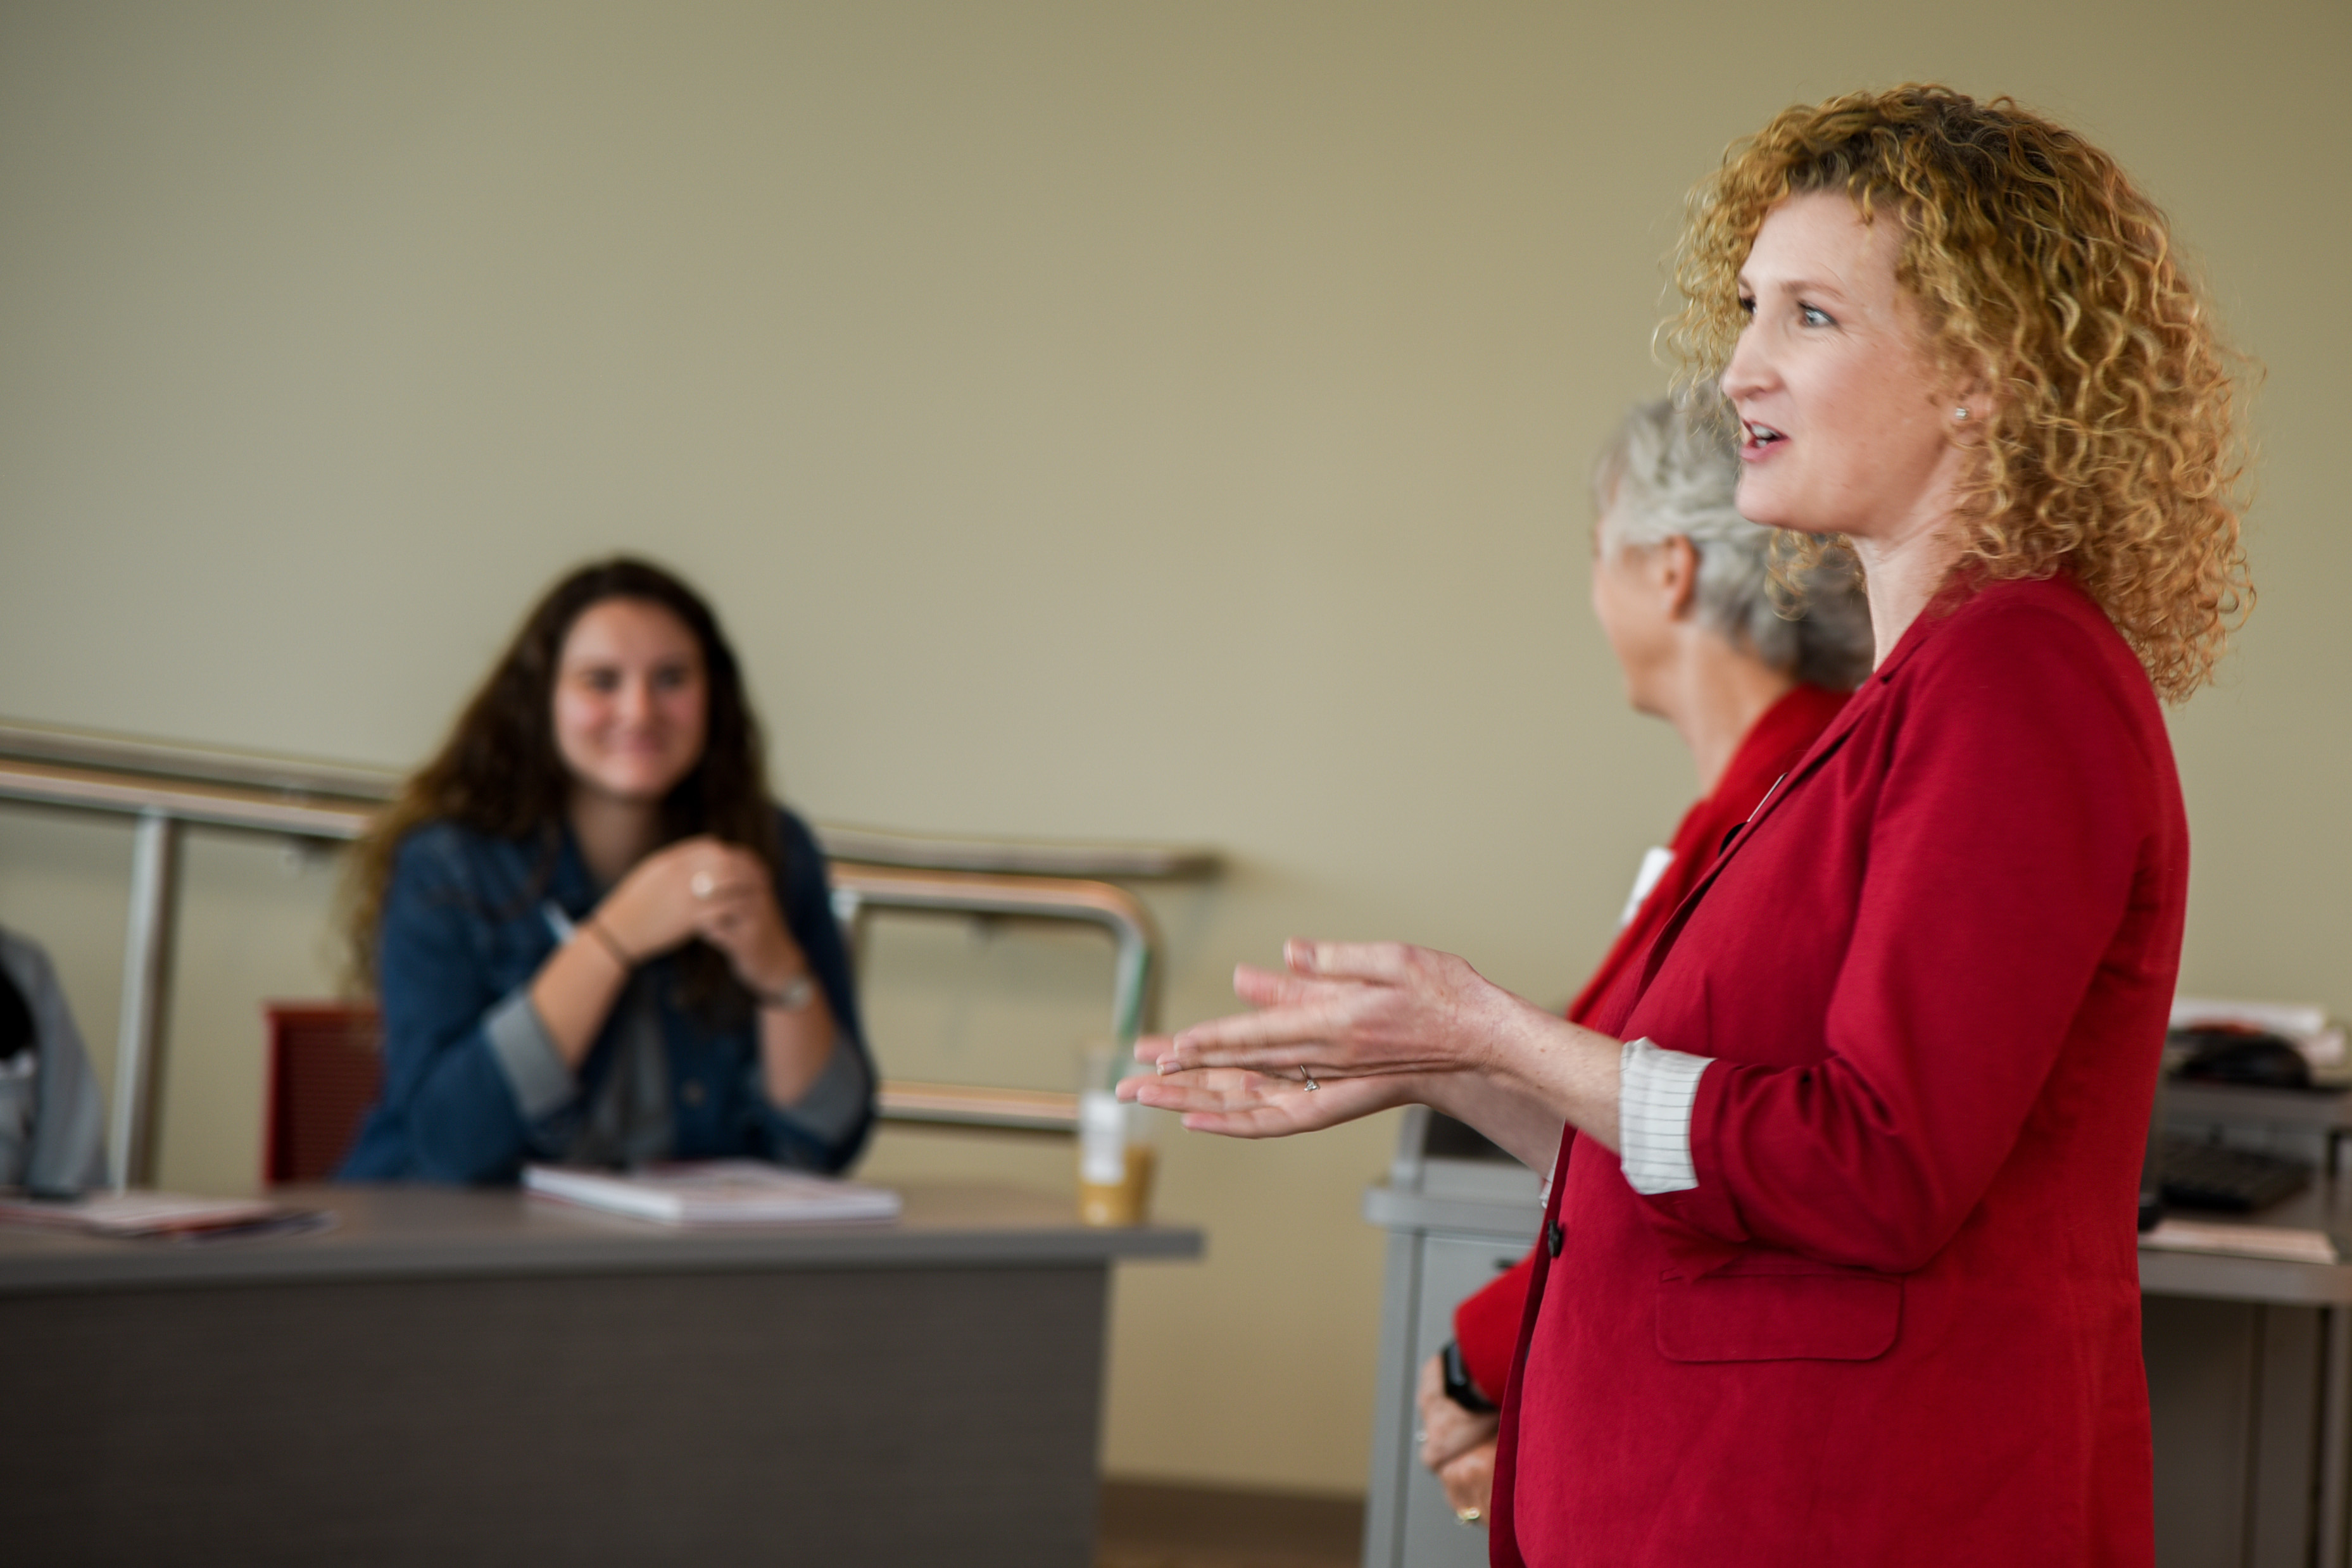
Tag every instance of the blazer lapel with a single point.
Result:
(1871, 693)
(1822, 749)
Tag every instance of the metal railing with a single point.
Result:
(168, 787)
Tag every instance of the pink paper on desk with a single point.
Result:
(177, 1215)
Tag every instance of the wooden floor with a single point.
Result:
(1148, 1526)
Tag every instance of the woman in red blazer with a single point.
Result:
(1839, 1266)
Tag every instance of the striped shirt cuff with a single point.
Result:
(830, 1109)
(526, 1052)
(1657, 1093)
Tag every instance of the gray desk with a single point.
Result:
(474, 1377)
(2249, 1389)
(2250, 1370)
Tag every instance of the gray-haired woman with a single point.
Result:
(1747, 672)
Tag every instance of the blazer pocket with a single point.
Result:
(1779, 1309)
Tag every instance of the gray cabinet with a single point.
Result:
(2233, 1392)
(1455, 1219)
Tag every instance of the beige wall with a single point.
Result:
(1156, 422)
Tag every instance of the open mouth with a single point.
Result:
(1758, 437)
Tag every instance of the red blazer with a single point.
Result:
(1487, 1325)
(1897, 1319)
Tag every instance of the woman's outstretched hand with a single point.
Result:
(1340, 1011)
(1240, 1104)
(1376, 1025)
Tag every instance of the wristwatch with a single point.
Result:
(1458, 1386)
(796, 994)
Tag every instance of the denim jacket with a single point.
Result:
(472, 1088)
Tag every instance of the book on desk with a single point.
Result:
(716, 1192)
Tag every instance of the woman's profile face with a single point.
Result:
(1846, 418)
(631, 701)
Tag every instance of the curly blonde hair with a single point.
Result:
(2113, 451)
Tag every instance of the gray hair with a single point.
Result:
(1670, 474)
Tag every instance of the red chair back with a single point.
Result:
(324, 1073)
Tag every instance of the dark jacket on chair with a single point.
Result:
(51, 1140)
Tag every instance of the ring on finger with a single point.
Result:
(1308, 1078)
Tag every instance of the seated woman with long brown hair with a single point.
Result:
(596, 939)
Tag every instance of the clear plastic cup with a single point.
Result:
(1115, 1156)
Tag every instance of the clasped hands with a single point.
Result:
(1457, 1445)
(704, 887)
(1343, 1031)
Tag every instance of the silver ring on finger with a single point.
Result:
(1308, 1078)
